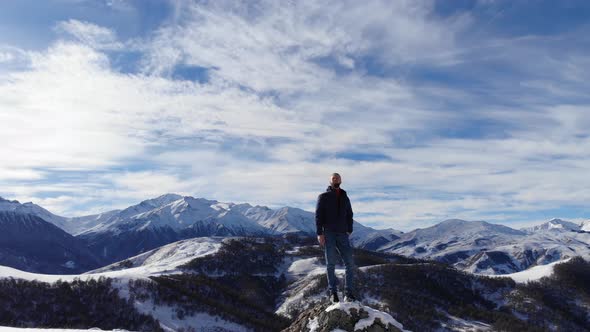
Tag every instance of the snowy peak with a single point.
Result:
(162, 200)
(290, 220)
(457, 228)
(148, 205)
(199, 203)
(553, 225)
(585, 226)
(34, 209)
(6, 201)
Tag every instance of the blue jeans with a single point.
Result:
(338, 243)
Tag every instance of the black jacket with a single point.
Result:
(333, 213)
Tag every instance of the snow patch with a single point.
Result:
(534, 273)
(304, 267)
(313, 324)
(462, 325)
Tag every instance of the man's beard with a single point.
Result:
(336, 185)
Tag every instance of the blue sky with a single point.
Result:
(429, 109)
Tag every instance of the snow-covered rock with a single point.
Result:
(341, 316)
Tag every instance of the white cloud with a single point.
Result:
(20, 174)
(278, 42)
(90, 34)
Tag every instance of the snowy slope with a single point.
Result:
(481, 247)
(77, 225)
(534, 249)
(585, 226)
(451, 236)
(533, 273)
(289, 220)
(165, 258)
(371, 239)
(159, 261)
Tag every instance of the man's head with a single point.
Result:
(335, 180)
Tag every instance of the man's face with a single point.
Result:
(336, 181)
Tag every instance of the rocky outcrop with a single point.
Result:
(353, 317)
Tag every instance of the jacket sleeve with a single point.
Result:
(349, 216)
(319, 216)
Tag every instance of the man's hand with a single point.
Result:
(321, 240)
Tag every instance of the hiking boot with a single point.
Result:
(334, 297)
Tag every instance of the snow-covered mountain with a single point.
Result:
(481, 247)
(283, 220)
(119, 234)
(553, 224)
(474, 246)
(168, 218)
(33, 209)
(71, 225)
(370, 239)
(30, 243)
(177, 213)
(77, 225)
(451, 239)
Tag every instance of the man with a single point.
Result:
(333, 217)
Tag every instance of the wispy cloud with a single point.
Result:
(90, 34)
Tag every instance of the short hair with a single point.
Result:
(335, 174)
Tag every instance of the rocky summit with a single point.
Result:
(353, 317)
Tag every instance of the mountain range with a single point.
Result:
(118, 234)
(485, 248)
(472, 246)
